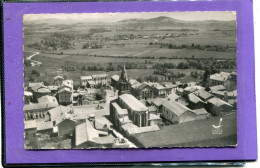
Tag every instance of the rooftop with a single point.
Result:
(217, 87)
(218, 102)
(158, 101)
(133, 103)
(203, 94)
(86, 77)
(29, 124)
(115, 77)
(99, 75)
(194, 99)
(152, 108)
(173, 96)
(44, 126)
(85, 132)
(119, 110)
(176, 107)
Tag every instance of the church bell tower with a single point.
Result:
(124, 84)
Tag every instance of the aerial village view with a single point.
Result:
(130, 80)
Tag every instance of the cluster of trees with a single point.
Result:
(217, 48)
(54, 41)
(101, 94)
(93, 45)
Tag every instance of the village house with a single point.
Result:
(188, 90)
(84, 80)
(159, 90)
(178, 113)
(65, 95)
(58, 80)
(217, 106)
(63, 120)
(87, 136)
(100, 79)
(142, 91)
(38, 90)
(115, 81)
(53, 89)
(195, 102)
(228, 80)
(157, 102)
(39, 110)
(94, 80)
(170, 87)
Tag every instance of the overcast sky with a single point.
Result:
(113, 17)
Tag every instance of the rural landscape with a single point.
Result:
(130, 80)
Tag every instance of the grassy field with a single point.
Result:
(145, 52)
(192, 133)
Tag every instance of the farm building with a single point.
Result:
(216, 106)
(195, 102)
(203, 95)
(178, 113)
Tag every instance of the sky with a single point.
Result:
(114, 17)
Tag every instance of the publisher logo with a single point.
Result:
(217, 129)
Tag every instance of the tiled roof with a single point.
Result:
(203, 94)
(218, 102)
(173, 96)
(85, 132)
(176, 107)
(61, 113)
(158, 101)
(194, 99)
(45, 102)
(133, 103)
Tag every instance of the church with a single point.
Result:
(123, 83)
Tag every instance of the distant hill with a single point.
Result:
(168, 21)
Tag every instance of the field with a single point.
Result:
(194, 132)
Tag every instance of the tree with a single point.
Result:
(101, 94)
(139, 79)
